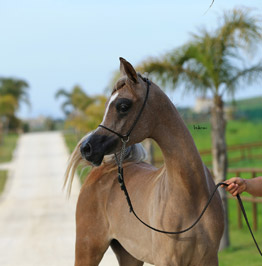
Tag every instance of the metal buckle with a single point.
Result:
(125, 139)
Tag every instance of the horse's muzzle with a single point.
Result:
(95, 147)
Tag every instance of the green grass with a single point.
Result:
(3, 178)
(242, 250)
(237, 132)
(243, 132)
(251, 103)
(6, 151)
(71, 141)
(7, 147)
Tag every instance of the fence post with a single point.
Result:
(254, 208)
(239, 213)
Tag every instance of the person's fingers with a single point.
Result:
(234, 190)
(231, 180)
(231, 186)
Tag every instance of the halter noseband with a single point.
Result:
(125, 138)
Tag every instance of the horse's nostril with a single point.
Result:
(86, 150)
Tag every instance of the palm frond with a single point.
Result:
(245, 76)
(240, 28)
(62, 92)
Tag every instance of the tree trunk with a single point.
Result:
(219, 158)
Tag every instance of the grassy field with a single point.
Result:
(237, 132)
(6, 152)
(242, 251)
(71, 141)
(3, 178)
(7, 147)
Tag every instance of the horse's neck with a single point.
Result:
(185, 170)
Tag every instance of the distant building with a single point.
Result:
(37, 124)
(203, 105)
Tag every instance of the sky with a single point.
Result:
(54, 44)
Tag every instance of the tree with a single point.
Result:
(83, 112)
(213, 62)
(15, 87)
(8, 105)
(7, 108)
(77, 99)
(13, 92)
(87, 120)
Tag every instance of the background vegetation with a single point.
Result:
(6, 152)
(210, 61)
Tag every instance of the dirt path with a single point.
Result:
(37, 222)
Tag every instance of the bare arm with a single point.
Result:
(237, 185)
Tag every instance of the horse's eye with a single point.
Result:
(123, 108)
(123, 105)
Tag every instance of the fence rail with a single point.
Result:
(236, 153)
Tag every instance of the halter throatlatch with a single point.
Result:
(119, 161)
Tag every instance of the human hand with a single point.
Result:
(236, 185)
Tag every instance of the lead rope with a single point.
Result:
(248, 225)
(131, 209)
(121, 180)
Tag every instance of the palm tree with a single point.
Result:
(77, 99)
(212, 62)
(83, 112)
(89, 118)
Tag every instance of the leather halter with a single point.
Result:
(125, 137)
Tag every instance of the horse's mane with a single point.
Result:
(135, 154)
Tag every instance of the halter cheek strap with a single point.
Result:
(125, 137)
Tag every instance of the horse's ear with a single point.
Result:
(127, 69)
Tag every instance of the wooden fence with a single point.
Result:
(236, 153)
(253, 172)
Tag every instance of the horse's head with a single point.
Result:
(126, 117)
